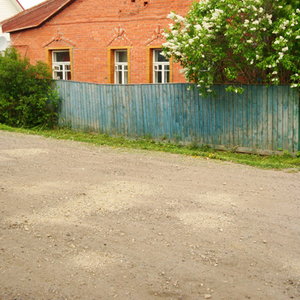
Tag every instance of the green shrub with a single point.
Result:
(27, 96)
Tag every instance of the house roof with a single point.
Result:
(35, 16)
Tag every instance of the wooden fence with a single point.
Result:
(261, 120)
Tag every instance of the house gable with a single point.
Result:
(18, 5)
(8, 8)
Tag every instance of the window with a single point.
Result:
(161, 67)
(121, 67)
(61, 65)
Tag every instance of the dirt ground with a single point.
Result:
(85, 222)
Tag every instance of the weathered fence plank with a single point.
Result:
(261, 120)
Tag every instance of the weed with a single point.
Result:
(147, 137)
(193, 146)
(206, 148)
(286, 153)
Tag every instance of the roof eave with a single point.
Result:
(58, 10)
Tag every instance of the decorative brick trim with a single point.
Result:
(59, 38)
(119, 32)
(158, 34)
(23, 49)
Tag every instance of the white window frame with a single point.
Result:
(61, 67)
(121, 67)
(156, 70)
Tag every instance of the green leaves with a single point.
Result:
(27, 98)
(237, 42)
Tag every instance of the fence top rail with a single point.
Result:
(167, 84)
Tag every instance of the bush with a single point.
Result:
(27, 96)
(237, 42)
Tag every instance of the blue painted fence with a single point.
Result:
(261, 120)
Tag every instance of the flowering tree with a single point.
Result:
(237, 42)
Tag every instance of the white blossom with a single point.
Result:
(198, 27)
(179, 19)
(203, 31)
(216, 14)
(171, 16)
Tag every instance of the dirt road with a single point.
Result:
(84, 222)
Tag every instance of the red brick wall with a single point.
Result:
(90, 27)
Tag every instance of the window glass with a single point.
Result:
(62, 56)
(121, 56)
(61, 65)
(167, 76)
(158, 57)
(161, 67)
(121, 67)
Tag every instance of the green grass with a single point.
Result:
(279, 162)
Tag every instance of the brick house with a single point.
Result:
(8, 8)
(101, 41)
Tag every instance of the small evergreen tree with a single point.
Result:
(27, 96)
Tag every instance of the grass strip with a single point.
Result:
(279, 162)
